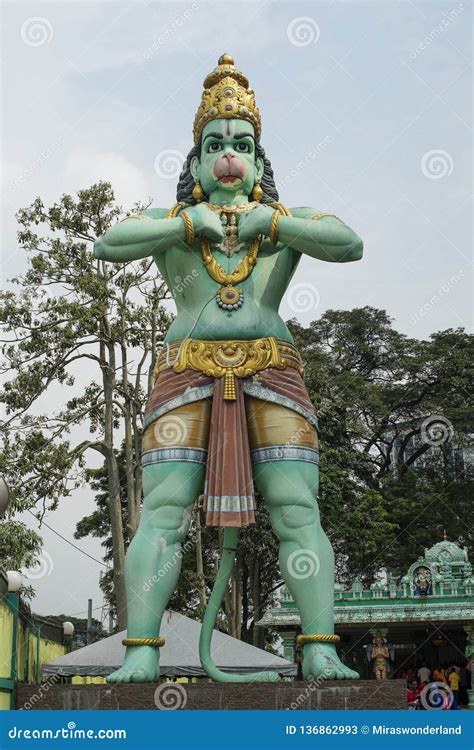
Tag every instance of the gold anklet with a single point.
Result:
(302, 639)
(143, 642)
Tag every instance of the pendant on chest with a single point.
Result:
(230, 244)
(230, 297)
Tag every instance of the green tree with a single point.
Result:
(85, 334)
(386, 490)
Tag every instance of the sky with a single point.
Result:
(366, 111)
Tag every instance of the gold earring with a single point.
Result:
(257, 192)
(198, 193)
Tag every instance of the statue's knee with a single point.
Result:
(164, 487)
(169, 520)
(297, 516)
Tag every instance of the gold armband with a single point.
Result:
(274, 227)
(188, 227)
(320, 215)
(139, 217)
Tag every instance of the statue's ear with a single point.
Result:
(194, 167)
(259, 168)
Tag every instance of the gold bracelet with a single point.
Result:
(302, 639)
(274, 227)
(188, 228)
(143, 642)
(175, 209)
(319, 216)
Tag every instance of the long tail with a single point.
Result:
(224, 573)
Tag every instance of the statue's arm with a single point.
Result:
(324, 237)
(139, 236)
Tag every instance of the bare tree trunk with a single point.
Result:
(114, 500)
(132, 523)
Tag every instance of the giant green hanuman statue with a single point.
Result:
(229, 380)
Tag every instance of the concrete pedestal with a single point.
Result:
(340, 695)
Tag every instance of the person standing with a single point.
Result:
(439, 675)
(424, 673)
(454, 683)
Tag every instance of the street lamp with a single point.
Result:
(14, 581)
(68, 630)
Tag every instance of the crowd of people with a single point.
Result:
(419, 678)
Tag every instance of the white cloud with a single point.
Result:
(84, 166)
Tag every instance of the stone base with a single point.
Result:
(331, 694)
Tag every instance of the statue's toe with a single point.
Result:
(117, 676)
(139, 675)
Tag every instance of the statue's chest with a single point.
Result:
(228, 259)
(183, 267)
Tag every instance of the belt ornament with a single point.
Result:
(229, 359)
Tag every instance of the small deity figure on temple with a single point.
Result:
(379, 655)
(422, 581)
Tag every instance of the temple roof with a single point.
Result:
(446, 552)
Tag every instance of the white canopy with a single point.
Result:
(179, 657)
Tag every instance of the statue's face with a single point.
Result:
(227, 161)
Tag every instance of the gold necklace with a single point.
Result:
(231, 208)
(229, 296)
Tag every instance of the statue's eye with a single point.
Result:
(214, 147)
(242, 147)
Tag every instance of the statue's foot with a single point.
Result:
(320, 660)
(142, 664)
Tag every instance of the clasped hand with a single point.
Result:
(251, 223)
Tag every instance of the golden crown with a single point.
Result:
(226, 96)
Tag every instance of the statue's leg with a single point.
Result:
(153, 560)
(306, 557)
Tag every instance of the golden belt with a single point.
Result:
(229, 359)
